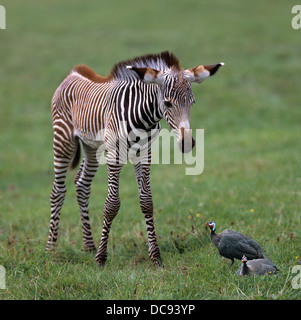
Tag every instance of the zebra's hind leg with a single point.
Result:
(64, 151)
(83, 180)
(142, 171)
(112, 205)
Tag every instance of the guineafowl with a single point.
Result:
(232, 244)
(256, 266)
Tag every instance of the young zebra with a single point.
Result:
(96, 112)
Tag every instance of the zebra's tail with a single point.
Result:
(74, 162)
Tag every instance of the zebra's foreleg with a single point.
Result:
(112, 205)
(142, 172)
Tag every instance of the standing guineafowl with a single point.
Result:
(232, 244)
(256, 266)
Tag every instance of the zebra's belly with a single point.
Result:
(91, 141)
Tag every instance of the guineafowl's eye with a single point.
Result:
(167, 104)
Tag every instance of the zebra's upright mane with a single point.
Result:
(162, 61)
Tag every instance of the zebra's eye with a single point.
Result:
(167, 104)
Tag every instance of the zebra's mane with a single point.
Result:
(162, 61)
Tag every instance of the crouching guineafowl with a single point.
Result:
(256, 266)
(232, 244)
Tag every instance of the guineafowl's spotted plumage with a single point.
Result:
(233, 245)
(256, 267)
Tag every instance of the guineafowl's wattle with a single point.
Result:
(256, 267)
(233, 245)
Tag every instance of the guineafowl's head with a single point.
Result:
(244, 259)
(211, 224)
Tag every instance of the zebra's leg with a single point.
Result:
(112, 205)
(83, 180)
(142, 171)
(64, 151)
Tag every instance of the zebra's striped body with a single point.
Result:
(98, 111)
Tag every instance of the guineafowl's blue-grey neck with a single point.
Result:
(214, 237)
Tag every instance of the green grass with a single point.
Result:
(251, 182)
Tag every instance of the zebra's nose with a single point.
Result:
(186, 142)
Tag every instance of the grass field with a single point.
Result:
(252, 178)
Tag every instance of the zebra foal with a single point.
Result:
(96, 113)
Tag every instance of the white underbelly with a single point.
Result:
(92, 141)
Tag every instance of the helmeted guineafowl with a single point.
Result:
(256, 266)
(232, 244)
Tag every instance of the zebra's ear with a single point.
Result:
(148, 75)
(200, 73)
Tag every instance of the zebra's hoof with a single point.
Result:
(90, 249)
(158, 263)
(101, 261)
(50, 248)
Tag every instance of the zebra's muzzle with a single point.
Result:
(186, 142)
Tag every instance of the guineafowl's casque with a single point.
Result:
(232, 244)
(256, 267)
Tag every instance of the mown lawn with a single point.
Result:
(252, 177)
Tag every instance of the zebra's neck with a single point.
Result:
(138, 104)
